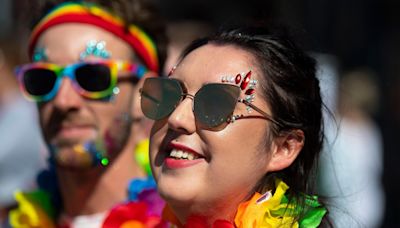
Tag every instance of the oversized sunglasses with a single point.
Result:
(213, 104)
(94, 80)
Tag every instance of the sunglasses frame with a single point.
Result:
(115, 67)
(228, 119)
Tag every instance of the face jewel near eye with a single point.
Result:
(95, 48)
(245, 81)
(238, 78)
(39, 54)
(249, 91)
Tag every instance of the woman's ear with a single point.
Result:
(285, 150)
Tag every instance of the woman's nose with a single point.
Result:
(182, 119)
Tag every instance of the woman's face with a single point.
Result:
(231, 161)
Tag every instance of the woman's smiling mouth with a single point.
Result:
(180, 156)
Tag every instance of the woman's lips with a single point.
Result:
(173, 163)
(181, 156)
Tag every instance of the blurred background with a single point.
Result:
(357, 46)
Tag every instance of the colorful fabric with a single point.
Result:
(265, 211)
(89, 13)
(143, 212)
(35, 210)
(143, 208)
(279, 212)
(142, 155)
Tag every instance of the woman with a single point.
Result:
(237, 133)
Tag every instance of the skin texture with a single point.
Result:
(69, 119)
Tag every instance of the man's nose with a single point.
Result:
(67, 97)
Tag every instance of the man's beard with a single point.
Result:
(79, 155)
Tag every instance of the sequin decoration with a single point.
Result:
(95, 48)
(245, 83)
(172, 71)
(39, 54)
(238, 78)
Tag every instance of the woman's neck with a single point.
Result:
(209, 213)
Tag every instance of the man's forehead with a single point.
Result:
(66, 42)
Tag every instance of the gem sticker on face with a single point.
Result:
(246, 84)
(39, 55)
(172, 71)
(95, 48)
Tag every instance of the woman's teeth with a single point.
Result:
(179, 154)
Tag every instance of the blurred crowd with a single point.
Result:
(22, 152)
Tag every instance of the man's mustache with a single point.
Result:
(59, 120)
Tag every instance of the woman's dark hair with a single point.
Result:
(142, 13)
(292, 90)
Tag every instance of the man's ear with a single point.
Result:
(285, 150)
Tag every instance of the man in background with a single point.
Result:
(88, 62)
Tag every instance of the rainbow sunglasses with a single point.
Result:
(95, 80)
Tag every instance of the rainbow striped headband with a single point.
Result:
(72, 12)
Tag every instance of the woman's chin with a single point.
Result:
(179, 198)
(178, 187)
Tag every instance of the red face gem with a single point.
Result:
(245, 81)
(238, 78)
(171, 71)
(249, 91)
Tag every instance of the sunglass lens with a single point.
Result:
(39, 82)
(159, 97)
(93, 77)
(215, 103)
